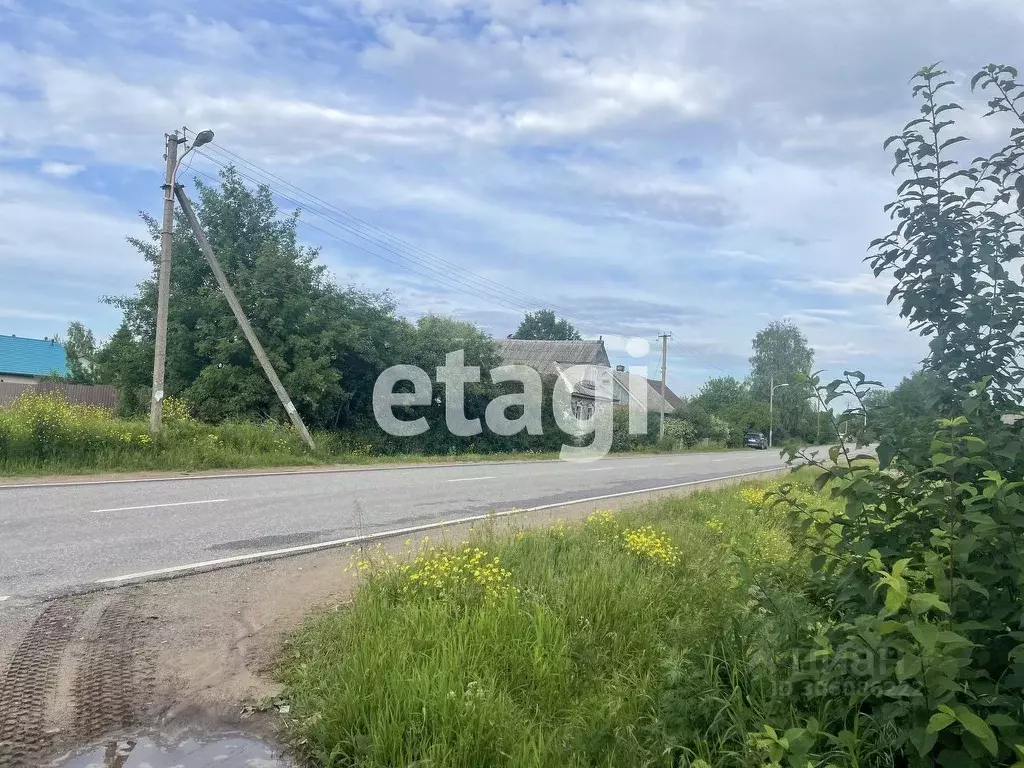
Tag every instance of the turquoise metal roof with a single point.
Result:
(32, 357)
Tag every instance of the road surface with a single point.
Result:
(60, 537)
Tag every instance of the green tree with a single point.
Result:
(126, 363)
(722, 394)
(958, 234)
(543, 324)
(327, 343)
(782, 355)
(80, 347)
(920, 564)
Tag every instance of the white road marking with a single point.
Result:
(4, 597)
(466, 479)
(157, 506)
(286, 472)
(599, 469)
(304, 548)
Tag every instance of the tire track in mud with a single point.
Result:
(115, 675)
(27, 686)
(87, 654)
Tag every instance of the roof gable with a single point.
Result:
(637, 388)
(32, 357)
(670, 397)
(546, 357)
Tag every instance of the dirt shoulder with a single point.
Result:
(195, 652)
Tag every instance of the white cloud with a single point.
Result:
(720, 158)
(61, 170)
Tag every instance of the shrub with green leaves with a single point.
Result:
(918, 574)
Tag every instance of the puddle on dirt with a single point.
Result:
(226, 751)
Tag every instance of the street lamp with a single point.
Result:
(203, 137)
(771, 408)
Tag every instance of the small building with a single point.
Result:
(552, 358)
(25, 361)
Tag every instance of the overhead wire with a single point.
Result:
(357, 246)
(464, 281)
(509, 301)
(380, 236)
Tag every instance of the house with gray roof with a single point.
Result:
(552, 358)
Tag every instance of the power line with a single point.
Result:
(338, 237)
(381, 237)
(687, 351)
(464, 281)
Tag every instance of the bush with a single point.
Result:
(681, 433)
(919, 575)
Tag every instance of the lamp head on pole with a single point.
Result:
(203, 137)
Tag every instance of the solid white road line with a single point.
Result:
(157, 506)
(466, 479)
(303, 548)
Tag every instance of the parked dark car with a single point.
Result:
(755, 440)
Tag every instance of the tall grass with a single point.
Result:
(42, 434)
(633, 639)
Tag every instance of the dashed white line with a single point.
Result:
(599, 469)
(4, 597)
(274, 553)
(466, 479)
(158, 506)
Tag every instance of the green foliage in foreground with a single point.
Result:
(615, 642)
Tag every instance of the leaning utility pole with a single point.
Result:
(243, 321)
(664, 368)
(156, 405)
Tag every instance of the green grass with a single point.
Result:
(45, 436)
(586, 652)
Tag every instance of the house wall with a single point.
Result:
(11, 378)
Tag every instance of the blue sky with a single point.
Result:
(685, 165)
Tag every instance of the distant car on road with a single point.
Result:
(755, 440)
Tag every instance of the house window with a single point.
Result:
(582, 409)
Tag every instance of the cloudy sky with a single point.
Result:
(696, 166)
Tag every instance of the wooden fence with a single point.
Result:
(79, 394)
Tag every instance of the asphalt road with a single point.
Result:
(58, 537)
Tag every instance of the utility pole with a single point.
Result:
(243, 321)
(156, 405)
(771, 408)
(664, 370)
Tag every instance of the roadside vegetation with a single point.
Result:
(44, 434)
(872, 618)
(611, 642)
